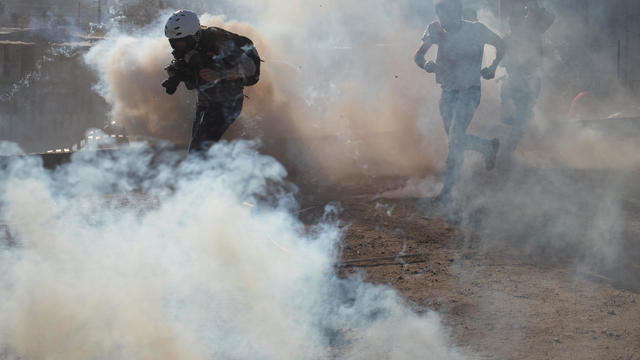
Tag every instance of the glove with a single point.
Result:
(488, 73)
(431, 67)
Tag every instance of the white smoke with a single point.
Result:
(149, 256)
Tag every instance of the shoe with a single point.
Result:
(490, 163)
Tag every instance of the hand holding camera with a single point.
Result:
(185, 69)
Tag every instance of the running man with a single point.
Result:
(458, 68)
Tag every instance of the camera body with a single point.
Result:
(184, 69)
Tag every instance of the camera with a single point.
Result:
(184, 69)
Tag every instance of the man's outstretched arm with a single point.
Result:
(419, 57)
(496, 41)
(432, 36)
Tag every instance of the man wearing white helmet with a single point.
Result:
(218, 64)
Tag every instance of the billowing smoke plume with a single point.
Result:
(561, 197)
(339, 88)
(143, 255)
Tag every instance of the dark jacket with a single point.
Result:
(223, 51)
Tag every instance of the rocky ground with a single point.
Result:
(499, 304)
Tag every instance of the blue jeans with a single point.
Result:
(518, 97)
(457, 108)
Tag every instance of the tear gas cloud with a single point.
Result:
(146, 256)
(340, 95)
(330, 76)
(563, 197)
(188, 271)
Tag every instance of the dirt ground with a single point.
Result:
(498, 304)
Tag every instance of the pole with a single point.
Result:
(619, 60)
(99, 11)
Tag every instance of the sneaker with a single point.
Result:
(490, 162)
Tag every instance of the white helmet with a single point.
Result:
(181, 24)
